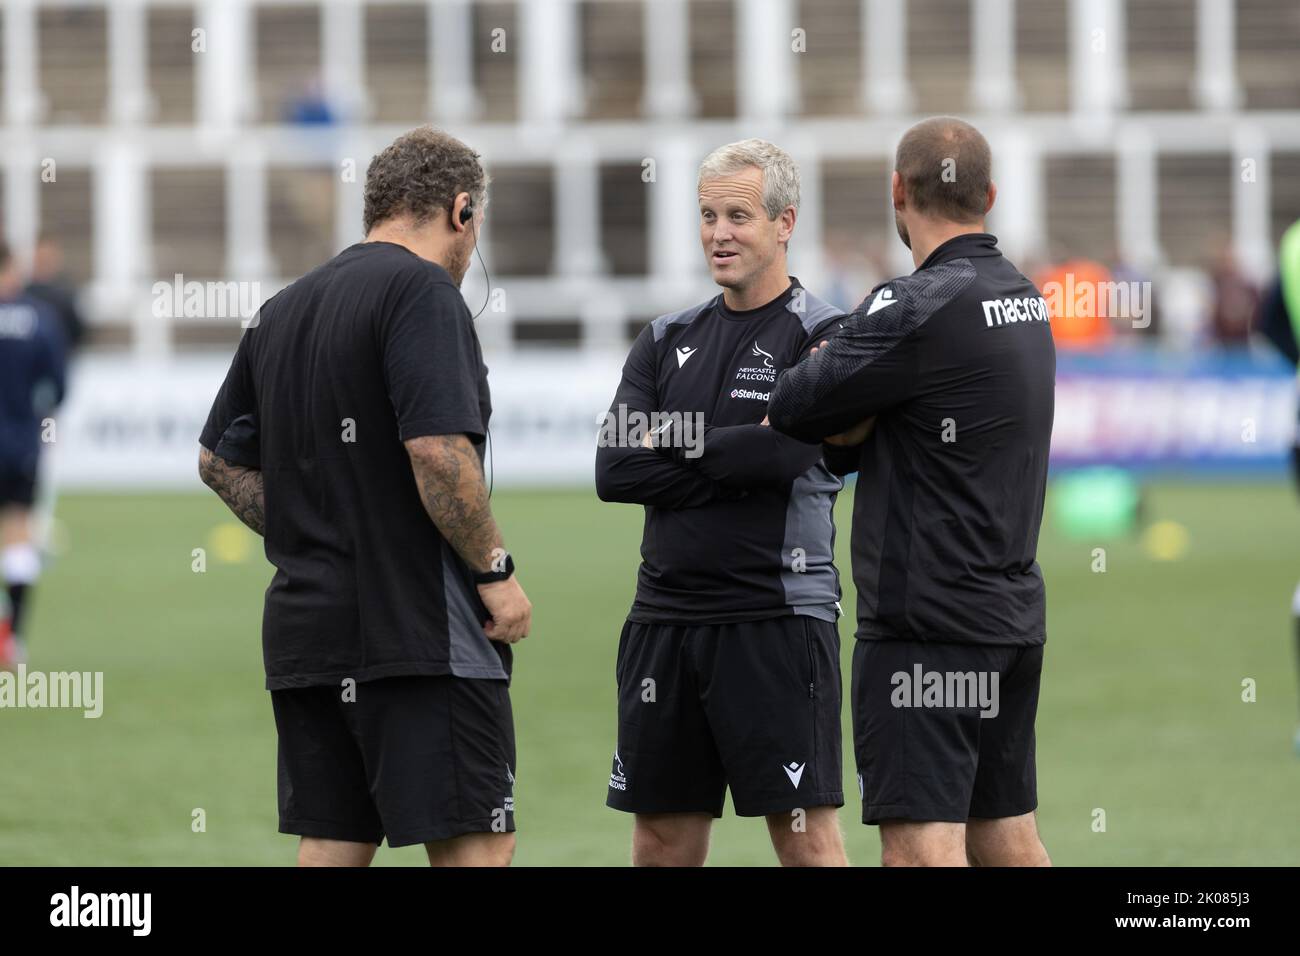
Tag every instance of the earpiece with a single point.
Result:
(466, 215)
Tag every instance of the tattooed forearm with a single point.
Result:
(449, 476)
(239, 487)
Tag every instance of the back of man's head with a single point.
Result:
(419, 175)
(946, 168)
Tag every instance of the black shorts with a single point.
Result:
(413, 759)
(753, 706)
(924, 750)
(17, 484)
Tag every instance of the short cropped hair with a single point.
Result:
(780, 174)
(420, 174)
(946, 168)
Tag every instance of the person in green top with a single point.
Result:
(1280, 324)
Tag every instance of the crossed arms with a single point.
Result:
(732, 459)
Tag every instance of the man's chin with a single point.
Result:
(727, 278)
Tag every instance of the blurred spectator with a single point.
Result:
(311, 107)
(1235, 301)
(1075, 291)
(1279, 309)
(49, 285)
(31, 386)
(1279, 322)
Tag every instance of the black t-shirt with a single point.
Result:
(372, 348)
(957, 363)
(738, 519)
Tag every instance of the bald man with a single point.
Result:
(938, 391)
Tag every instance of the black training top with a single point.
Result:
(737, 517)
(372, 348)
(957, 362)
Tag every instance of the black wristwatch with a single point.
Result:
(491, 577)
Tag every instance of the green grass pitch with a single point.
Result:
(1141, 713)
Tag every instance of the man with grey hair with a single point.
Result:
(728, 665)
(349, 433)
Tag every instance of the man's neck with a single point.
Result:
(425, 243)
(759, 293)
(930, 235)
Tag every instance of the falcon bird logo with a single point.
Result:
(765, 356)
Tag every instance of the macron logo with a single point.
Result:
(882, 301)
(683, 354)
(795, 772)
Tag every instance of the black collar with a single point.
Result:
(960, 247)
(780, 300)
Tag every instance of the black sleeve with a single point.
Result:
(842, 461)
(54, 364)
(231, 428)
(822, 333)
(1275, 324)
(868, 366)
(628, 473)
(74, 326)
(431, 360)
(746, 455)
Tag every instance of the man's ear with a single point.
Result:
(785, 228)
(460, 222)
(896, 190)
(993, 197)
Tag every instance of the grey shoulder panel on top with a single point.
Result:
(924, 292)
(814, 311)
(684, 317)
(935, 287)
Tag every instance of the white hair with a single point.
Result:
(780, 174)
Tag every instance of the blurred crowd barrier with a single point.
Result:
(132, 424)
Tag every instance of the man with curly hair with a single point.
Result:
(349, 433)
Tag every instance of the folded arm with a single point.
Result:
(628, 472)
(742, 456)
(239, 486)
(869, 366)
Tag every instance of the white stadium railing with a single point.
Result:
(121, 153)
